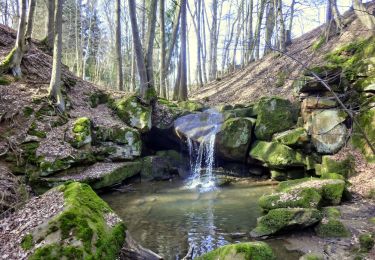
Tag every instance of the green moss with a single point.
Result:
(28, 111)
(81, 132)
(276, 155)
(281, 78)
(27, 242)
(274, 115)
(330, 227)
(372, 220)
(6, 64)
(241, 251)
(83, 219)
(119, 135)
(190, 105)
(292, 137)
(282, 219)
(319, 43)
(134, 113)
(45, 110)
(35, 132)
(311, 256)
(366, 120)
(166, 102)
(332, 175)
(4, 81)
(344, 167)
(278, 175)
(366, 242)
(297, 198)
(332, 212)
(98, 98)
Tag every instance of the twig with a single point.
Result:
(323, 82)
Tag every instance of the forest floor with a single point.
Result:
(275, 73)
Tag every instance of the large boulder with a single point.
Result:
(330, 225)
(134, 113)
(285, 219)
(233, 140)
(274, 115)
(293, 137)
(328, 133)
(342, 166)
(67, 222)
(98, 175)
(276, 155)
(81, 132)
(241, 251)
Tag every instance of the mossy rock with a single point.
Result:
(157, 168)
(285, 219)
(241, 251)
(293, 137)
(85, 229)
(276, 155)
(5, 80)
(134, 113)
(190, 105)
(330, 190)
(278, 175)
(233, 140)
(34, 131)
(366, 120)
(295, 198)
(98, 98)
(345, 166)
(240, 112)
(274, 115)
(332, 175)
(331, 226)
(311, 256)
(81, 132)
(367, 242)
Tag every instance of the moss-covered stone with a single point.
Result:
(278, 175)
(293, 137)
(248, 112)
(366, 120)
(190, 105)
(274, 115)
(234, 138)
(367, 242)
(81, 132)
(134, 113)
(332, 175)
(82, 230)
(295, 198)
(331, 226)
(241, 251)
(33, 130)
(276, 155)
(330, 190)
(345, 166)
(283, 219)
(98, 98)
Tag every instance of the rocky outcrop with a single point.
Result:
(274, 115)
(241, 251)
(69, 221)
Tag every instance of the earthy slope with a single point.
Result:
(274, 73)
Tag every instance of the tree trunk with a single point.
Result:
(143, 89)
(270, 25)
(120, 83)
(280, 15)
(336, 15)
(150, 42)
(55, 84)
(183, 80)
(256, 47)
(213, 42)
(204, 47)
(78, 37)
(363, 15)
(172, 43)
(239, 29)
(30, 20)
(50, 24)
(289, 31)
(163, 89)
(13, 60)
(250, 39)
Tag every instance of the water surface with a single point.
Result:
(169, 219)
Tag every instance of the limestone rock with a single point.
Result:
(284, 219)
(276, 155)
(344, 167)
(81, 132)
(241, 251)
(233, 140)
(274, 115)
(190, 105)
(293, 137)
(134, 113)
(318, 103)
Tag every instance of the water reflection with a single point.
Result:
(169, 219)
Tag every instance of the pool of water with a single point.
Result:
(169, 219)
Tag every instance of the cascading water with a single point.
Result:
(200, 130)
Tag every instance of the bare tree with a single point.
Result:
(280, 16)
(50, 24)
(120, 84)
(13, 60)
(150, 37)
(30, 19)
(183, 77)
(55, 84)
(163, 87)
(213, 42)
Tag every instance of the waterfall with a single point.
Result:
(200, 131)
